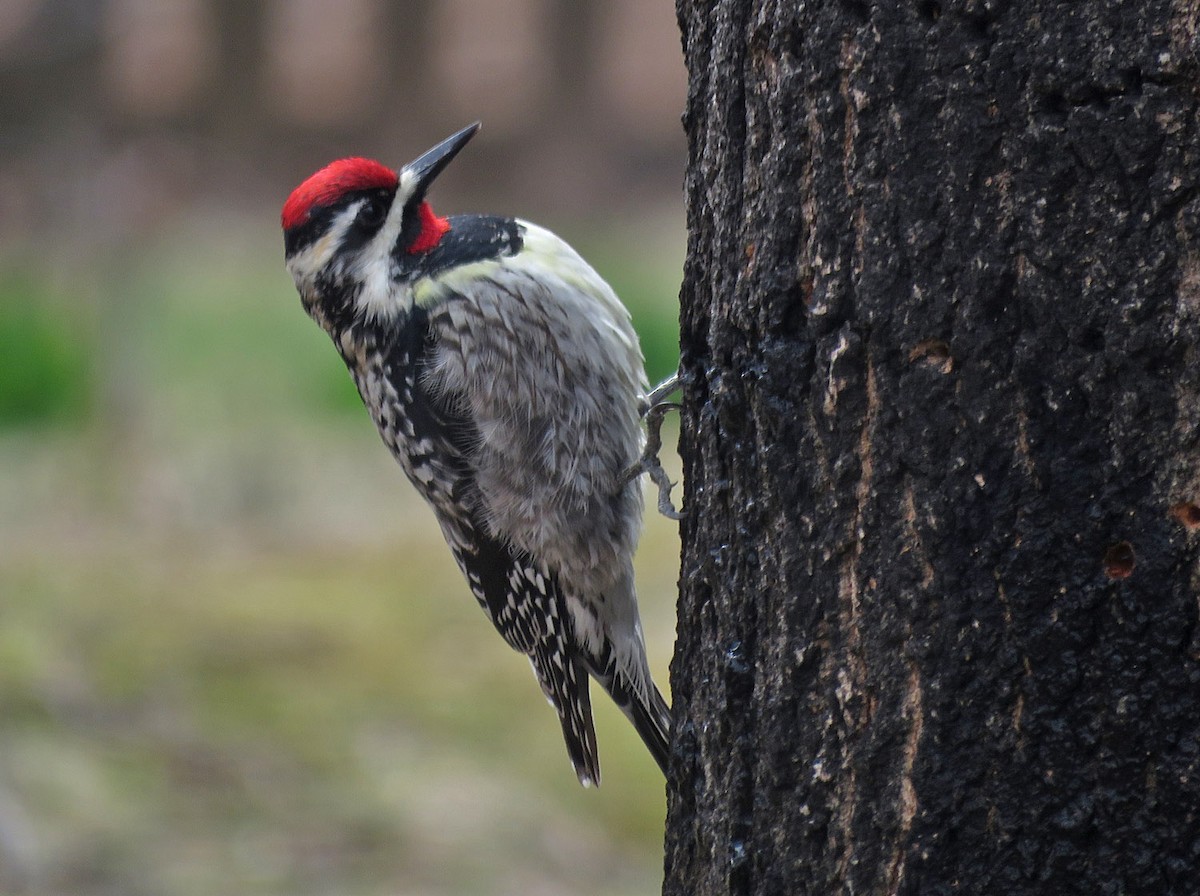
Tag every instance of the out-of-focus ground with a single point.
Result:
(235, 655)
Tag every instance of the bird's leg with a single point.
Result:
(651, 464)
(654, 409)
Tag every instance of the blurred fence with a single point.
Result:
(122, 110)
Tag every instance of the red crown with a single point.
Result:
(331, 183)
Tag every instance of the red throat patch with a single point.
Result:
(433, 229)
(333, 182)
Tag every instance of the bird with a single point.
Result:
(505, 376)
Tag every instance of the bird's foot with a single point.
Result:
(655, 408)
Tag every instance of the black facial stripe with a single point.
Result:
(410, 226)
(363, 230)
(300, 238)
(321, 218)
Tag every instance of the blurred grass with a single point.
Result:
(236, 656)
(44, 360)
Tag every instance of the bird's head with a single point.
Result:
(346, 227)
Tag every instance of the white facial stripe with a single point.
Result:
(373, 266)
(408, 183)
(305, 265)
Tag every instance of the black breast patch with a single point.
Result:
(470, 238)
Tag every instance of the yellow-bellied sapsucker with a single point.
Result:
(505, 376)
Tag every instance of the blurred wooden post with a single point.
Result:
(237, 94)
(941, 319)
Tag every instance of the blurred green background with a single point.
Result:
(235, 655)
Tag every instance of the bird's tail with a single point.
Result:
(564, 680)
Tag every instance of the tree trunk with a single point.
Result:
(941, 317)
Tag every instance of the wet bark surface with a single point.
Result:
(940, 326)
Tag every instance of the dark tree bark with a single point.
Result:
(941, 316)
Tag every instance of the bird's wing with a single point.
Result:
(520, 596)
(527, 608)
(551, 376)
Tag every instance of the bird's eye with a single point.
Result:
(371, 214)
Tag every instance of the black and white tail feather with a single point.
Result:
(644, 706)
(527, 607)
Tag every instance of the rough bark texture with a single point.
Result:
(941, 316)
